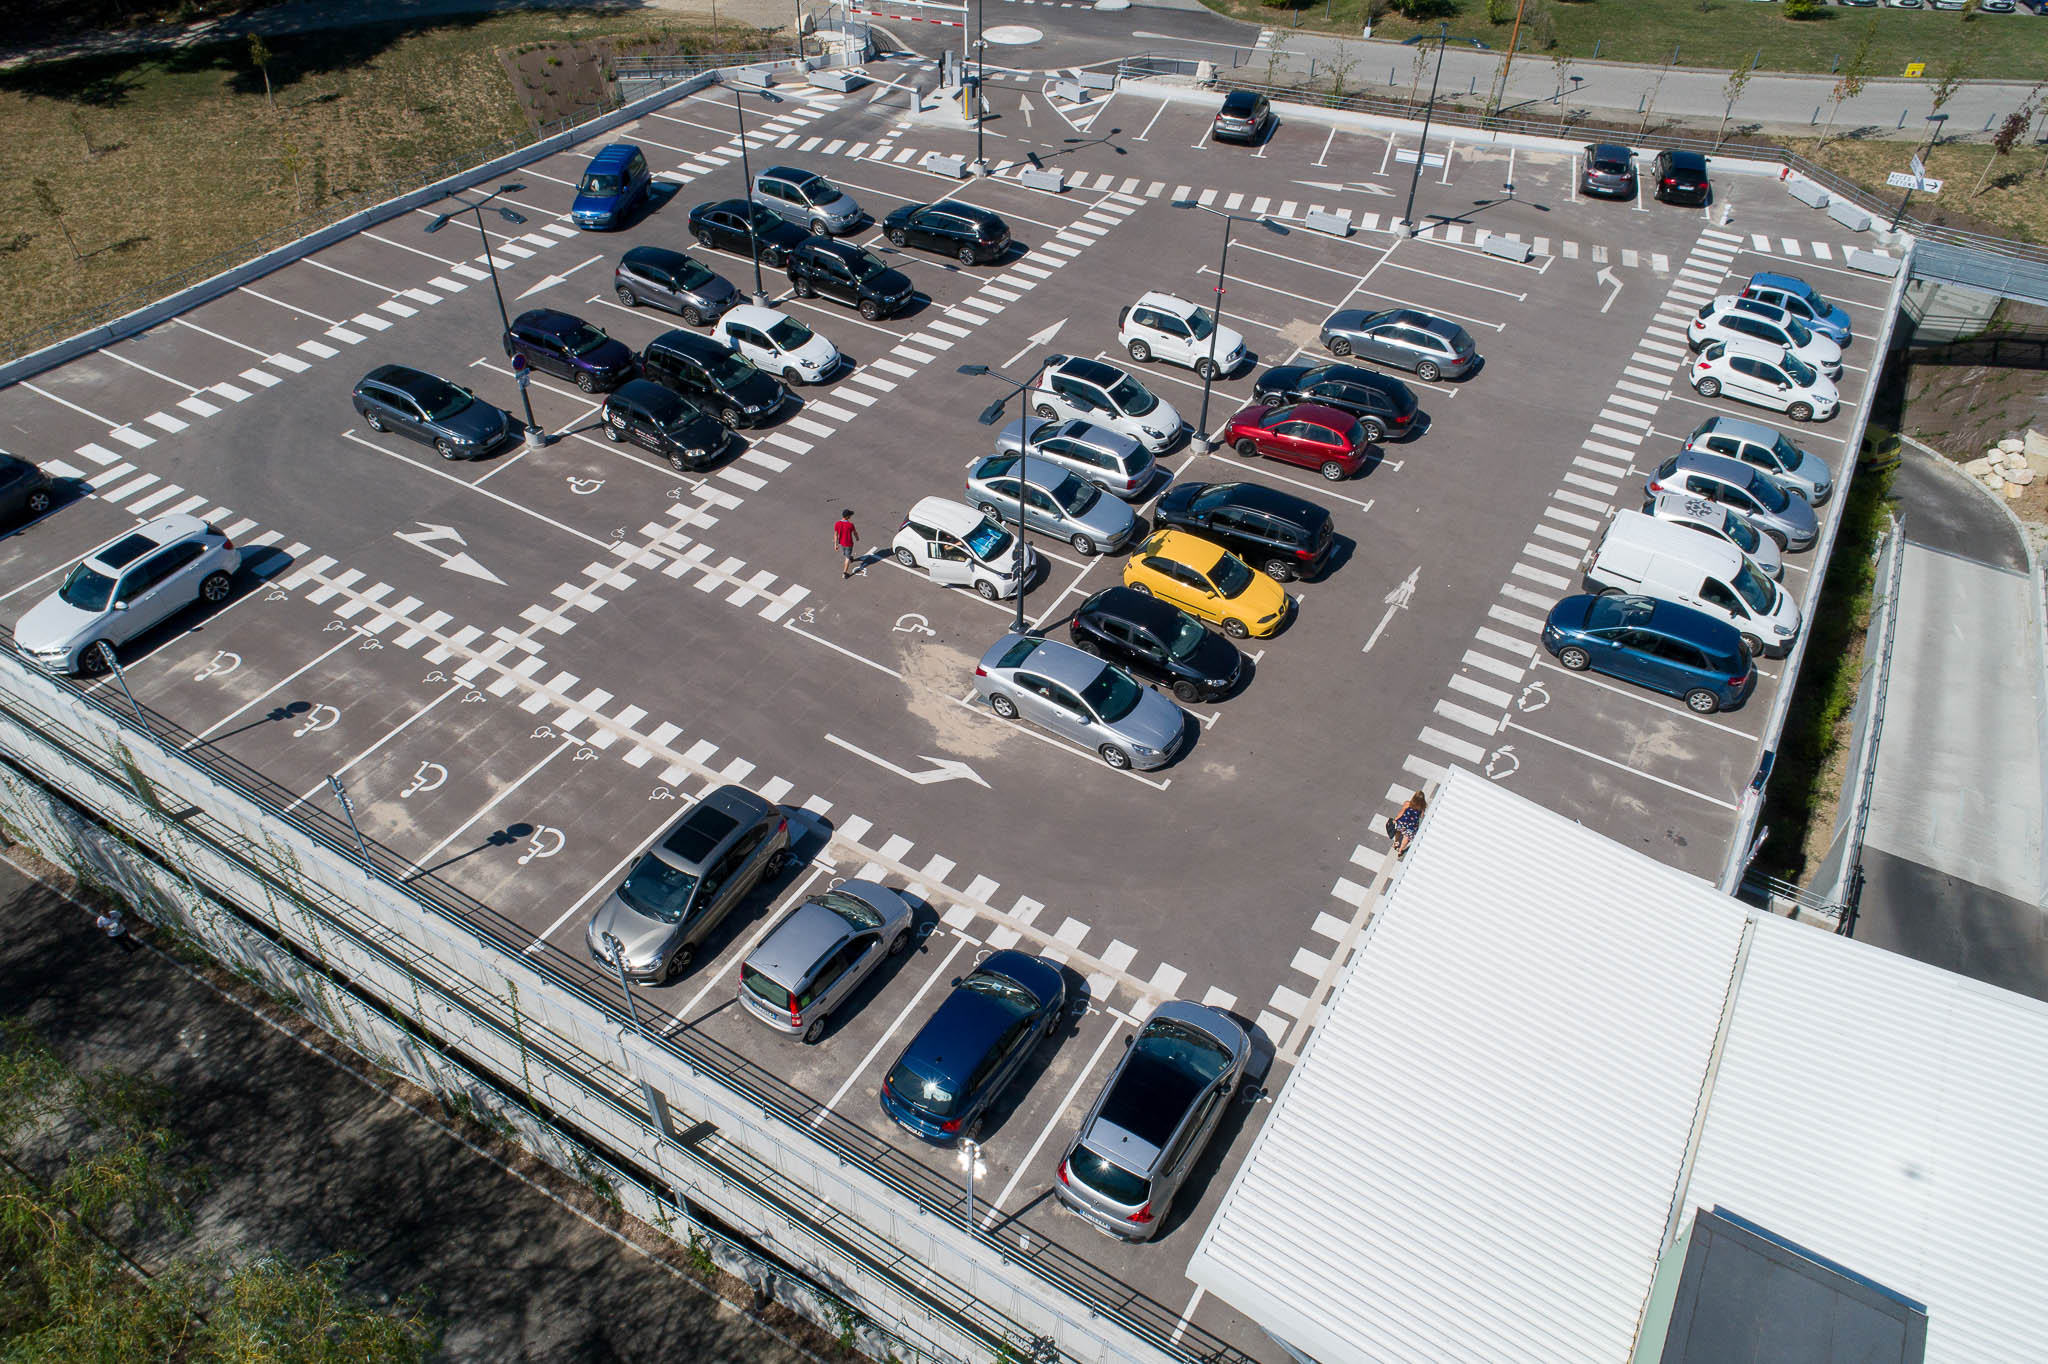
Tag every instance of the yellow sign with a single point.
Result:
(1916, 68)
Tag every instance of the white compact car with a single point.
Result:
(1071, 386)
(126, 586)
(957, 546)
(1733, 318)
(1165, 327)
(778, 343)
(1765, 376)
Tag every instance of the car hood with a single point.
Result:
(1177, 499)
(1838, 320)
(52, 623)
(1813, 469)
(1263, 598)
(900, 216)
(610, 357)
(1823, 349)
(1216, 657)
(756, 390)
(1156, 723)
(887, 284)
(1164, 418)
(1570, 613)
(480, 421)
(717, 289)
(1281, 379)
(1110, 517)
(1800, 516)
(1010, 440)
(1229, 340)
(641, 937)
(595, 203)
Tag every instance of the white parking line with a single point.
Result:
(938, 972)
(354, 636)
(1602, 758)
(1638, 695)
(726, 968)
(1057, 1120)
(457, 688)
(567, 742)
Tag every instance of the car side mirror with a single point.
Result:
(955, 981)
(1129, 1040)
(120, 606)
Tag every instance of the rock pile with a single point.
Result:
(2012, 464)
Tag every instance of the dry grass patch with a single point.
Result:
(2014, 198)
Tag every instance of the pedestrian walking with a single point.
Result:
(110, 923)
(1401, 828)
(843, 535)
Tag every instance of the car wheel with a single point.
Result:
(679, 963)
(38, 503)
(1332, 470)
(91, 661)
(675, 462)
(988, 509)
(774, 257)
(1115, 756)
(1427, 371)
(820, 228)
(1140, 351)
(692, 318)
(1206, 368)
(1082, 543)
(214, 587)
(586, 381)
(898, 943)
(1002, 705)
(443, 448)
(906, 558)
(1045, 410)
(1800, 412)
(730, 416)
(870, 309)
(704, 240)
(1248, 448)
(898, 237)
(815, 1031)
(967, 255)
(988, 590)
(1279, 570)
(792, 375)
(1339, 346)
(1234, 627)
(777, 863)
(1374, 432)
(627, 297)
(376, 422)
(1140, 589)
(1187, 692)
(1752, 646)
(1778, 539)
(1574, 658)
(803, 288)
(1708, 387)
(613, 434)
(1702, 701)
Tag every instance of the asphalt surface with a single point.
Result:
(306, 1159)
(522, 667)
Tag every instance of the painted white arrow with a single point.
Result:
(1396, 600)
(1606, 276)
(1024, 107)
(552, 280)
(1036, 340)
(1360, 186)
(943, 769)
(456, 561)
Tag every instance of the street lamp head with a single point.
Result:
(1184, 203)
(974, 369)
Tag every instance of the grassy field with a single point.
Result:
(1715, 34)
(120, 172)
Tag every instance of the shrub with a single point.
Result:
(1805, 9)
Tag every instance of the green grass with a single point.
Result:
(1716, 34)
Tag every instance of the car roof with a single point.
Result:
(689, 343)
(1064, 664)
(660, 257)
(1355, 374)
(1126, 603)
(827, 246)
(1241, 99)
(550, 320)
(1737, 426)
(1604, 150)
(1183, 548)
(1691, 624)
(656, 400)
(943, 513)
(1683, 506)
(1150, 1095)
(1789, 283)
(1333, 417)
(404, 378)
(1752, 347)
(972, 212)
(1691, 161)
(797, 173)
(711, 824)
(754, 315)
(1154, 298)
(743, 207)
(126, 548)
(1092, 371)
(1259, 497)
(614, 156)
(1039, 473)
(967, 1024)
(800, 940)
(1720, 466)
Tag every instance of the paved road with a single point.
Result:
(308, 1159)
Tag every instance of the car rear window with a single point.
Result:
(933, 1094)
(764, 989)
(1108, 1178)
(703, 830)
(1018, 652)
(1608, 165)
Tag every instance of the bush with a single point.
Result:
(1499, 11)
(1424, 9)
(1806, 9)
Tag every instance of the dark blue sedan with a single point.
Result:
(1656, 644)
(968, 1051)
(565, 345)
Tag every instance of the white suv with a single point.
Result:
(1072, 386)
(126, 586)
(1164, 327)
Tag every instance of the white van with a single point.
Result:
(1642, 555)
(959, 547)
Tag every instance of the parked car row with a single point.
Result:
(1607, 170)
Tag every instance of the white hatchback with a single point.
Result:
(1733, 318)
(123, 588)
(1775, 378)
(1072, 386)
(778, 344)
(1166, 327)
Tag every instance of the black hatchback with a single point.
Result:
(1681, 178)
(664, 421)
(973, 234)
(565, 345)
(850, 274)
(1158, 642)
(735, 225)
(1285, 536)
(701, 368)
(1385, 407)
(24, 490)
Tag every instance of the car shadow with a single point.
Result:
(1342, 548)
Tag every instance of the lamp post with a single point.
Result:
(972, 1163)
(1920, 166)
(990, 415)
(535, 437)
(617, 951)
(1443, 31)
(980, 70)
(747, 177)
(1202, 440)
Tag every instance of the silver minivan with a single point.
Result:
(807, 199)
(811, 962)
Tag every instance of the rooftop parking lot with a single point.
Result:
(523, 667)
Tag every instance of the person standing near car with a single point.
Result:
(843, 535)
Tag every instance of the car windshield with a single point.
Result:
(819, 190)
(441, 399)
(1796, 329)
(988, 541)
(1075, 497)
(584, 339)
(1131, 398)
(1230, 576)
(859, 913)
(658, 890)
(1756, 591)
(933, 1094)
(1821, 307)
(1108, 1178)
(693, 274)
(599, 184)
(1201, 322)
(1112, 695)
(866, 264)
(1009, 993)
(1787, 453)
(789, 334)
(1606, 612)
(1186, 639)
(1801, 372)
(86, 588)
(1769, 493)
(1740, 531)
(730, 371)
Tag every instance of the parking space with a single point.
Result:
(525, 666)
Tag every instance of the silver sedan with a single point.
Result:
(1054, 501)
(1079, 697)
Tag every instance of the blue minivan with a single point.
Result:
(1656, 644)
(611, 188)
(970, 1049)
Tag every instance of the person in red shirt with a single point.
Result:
(843, 535)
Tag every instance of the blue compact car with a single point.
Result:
(968, 1051)
(1656, 644)
(613, 185)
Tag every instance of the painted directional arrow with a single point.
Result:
(1361, 186)
(1038, 339)
(1606, 276)
(942, 769)
(1396, 600)
(457, 561)
(1024, 107)
(552, 280)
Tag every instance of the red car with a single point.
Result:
(1315, 437)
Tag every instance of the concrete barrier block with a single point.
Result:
(1873, 264)
(1336, 224)
(841, 81)
(1071, 92)
(1507, 248)
(1098, 80)
(1807, 192)
(1849, 215)
(1034, 178)
(955, 166)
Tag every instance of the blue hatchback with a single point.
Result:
(1656, 644)
(613, 184)
(970, 1049)
(1803, 301)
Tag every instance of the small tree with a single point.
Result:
(1500, 11)
(2003, 141)
(46, 200)
(1562, 64)
(259, 57)
(1650, 98)
(1946, 82)
(1738, 81)
(1851, 82)
(1416, 68)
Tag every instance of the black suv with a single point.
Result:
(565, 345)
(850, 274)
(661, 420)
(734, 224)
(24, 490)
(1681, 178)
(1157, 641)
(699, 367)
(1244, 117)
(973, 234)
(1383, 404)
(1283, 535)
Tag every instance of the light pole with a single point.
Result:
(535, 437)
(617, 951)
(1443, 31)
(972, 1163)
(1202, 439)
(1919, 166)
(990, 415)
(747, 177)
(980, 70)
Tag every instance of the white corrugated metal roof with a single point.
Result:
(1892, 1117)
(1476, 1158)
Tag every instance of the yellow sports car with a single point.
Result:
(1208, 581)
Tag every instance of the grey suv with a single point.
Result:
(1152, 1120)
(807, 199)
(669, 279)
(685, 885)
(814, 960)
